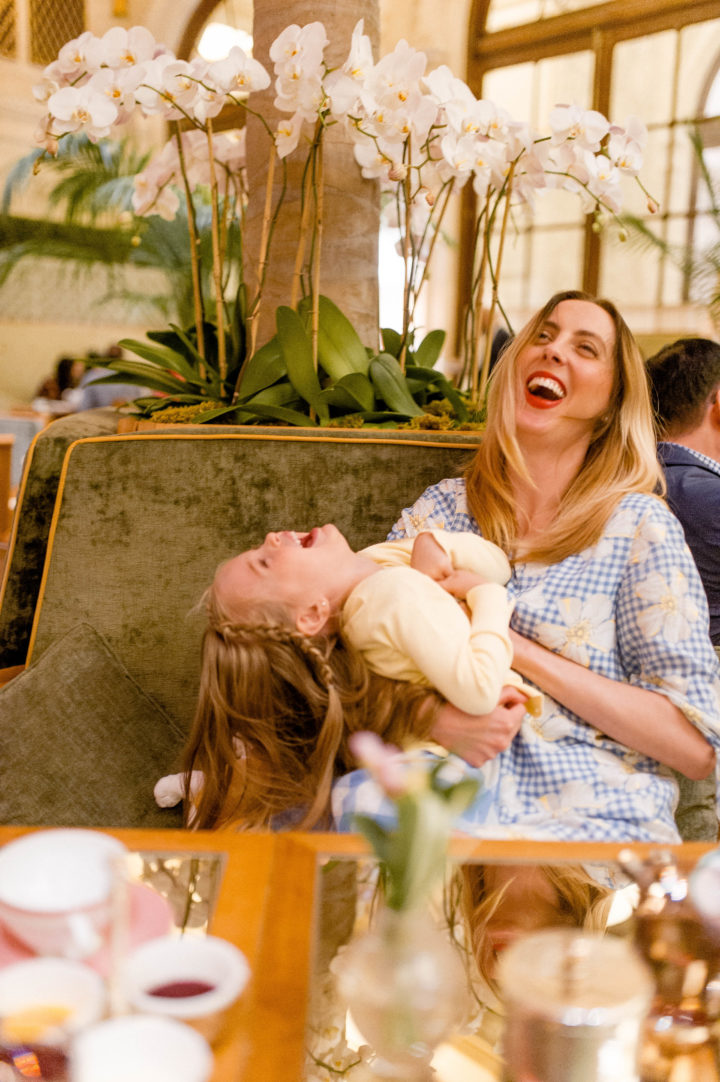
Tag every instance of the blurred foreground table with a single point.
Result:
(267, 905)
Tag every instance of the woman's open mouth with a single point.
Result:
(543, 390)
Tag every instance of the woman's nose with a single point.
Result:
(272, 539)
(554, 352)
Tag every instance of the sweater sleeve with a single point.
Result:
(473, 553)
(409, 628)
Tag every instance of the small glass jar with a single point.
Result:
(576, 1006)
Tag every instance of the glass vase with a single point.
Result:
(406, 989)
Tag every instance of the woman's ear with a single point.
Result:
(312, 619)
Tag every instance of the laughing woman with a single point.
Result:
(610, 617)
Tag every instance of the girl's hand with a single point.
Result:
(459, 583)
(477, 739)
(430, 557)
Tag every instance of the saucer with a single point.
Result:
(150, 916)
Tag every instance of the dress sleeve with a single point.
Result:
(662, 623)
(441, 506)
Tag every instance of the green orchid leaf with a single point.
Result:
(162, 357)
(377, 835)
(461, 795)
(436, 379)
(278, 413)
(386, 418)
(391, 385)
(354, 392)
(280, 394)
(428, 351)
(340, 350)
(297, 351)
(188, 343)
(144, 375)
(263, 369)
(392, 341)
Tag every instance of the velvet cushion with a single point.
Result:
(696, 814)
(36, 500)
(81, 744)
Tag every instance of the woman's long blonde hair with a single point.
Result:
(621, 457)
(582, 903)
(274, 711)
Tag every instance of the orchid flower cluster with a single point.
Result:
(423, 135)
(422, 798)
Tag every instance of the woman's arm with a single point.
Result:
(478, 739)
(643, 720)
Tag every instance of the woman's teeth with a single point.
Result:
(545, 387)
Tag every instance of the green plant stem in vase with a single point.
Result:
(403, 980)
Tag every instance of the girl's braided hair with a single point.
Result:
(274, 712)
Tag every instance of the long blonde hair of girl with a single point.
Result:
(274, 711)
(621, 457)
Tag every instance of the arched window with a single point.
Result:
(658, 61)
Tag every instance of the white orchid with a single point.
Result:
(626, 146)
(120, 48)
(586, 127)
(343, 86)
(287, 134)
(119, 88)
(79, 108)
(238, 73)
(72, 58)
(168, 89)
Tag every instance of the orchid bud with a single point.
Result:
(430, 198)
(622, 235)
(397, 172)
(652, 206)
(135, 241)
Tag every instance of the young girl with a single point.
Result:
(294, 625)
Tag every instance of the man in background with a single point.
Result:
(685, 385)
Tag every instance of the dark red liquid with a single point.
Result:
(181, 989)
(39, 1062)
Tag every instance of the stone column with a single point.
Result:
(351, 217)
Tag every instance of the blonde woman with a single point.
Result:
(610, 619)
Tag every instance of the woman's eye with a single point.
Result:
(588, 348)
(543, 336)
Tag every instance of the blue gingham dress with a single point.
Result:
(632, 607)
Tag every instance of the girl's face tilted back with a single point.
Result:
(310, 573)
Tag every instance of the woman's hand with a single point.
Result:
(478, 739)
(643, 720)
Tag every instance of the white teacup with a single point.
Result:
(55, 888)
(43, 1001)
(191, 978)
(140, 1048)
